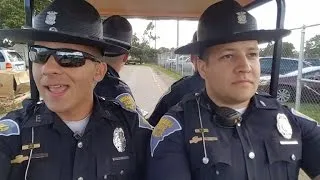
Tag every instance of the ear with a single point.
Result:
(125, 57)
(101, 70)
(202, 68)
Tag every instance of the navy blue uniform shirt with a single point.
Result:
(35, 140)
(271, 142)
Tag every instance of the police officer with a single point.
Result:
(118, 28)
(228, 131)
(187, 84)
(71, 134)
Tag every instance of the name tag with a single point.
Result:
(289, 142)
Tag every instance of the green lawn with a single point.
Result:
(172, 74)
(310, 109)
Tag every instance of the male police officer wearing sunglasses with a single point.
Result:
(228, 131)
(72, 134)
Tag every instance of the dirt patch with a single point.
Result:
(7, 104)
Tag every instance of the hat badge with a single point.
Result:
(51, 17)
(283, 126)
(242, 17)
(119, 140)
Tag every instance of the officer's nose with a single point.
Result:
(243, 64)
(51, 67)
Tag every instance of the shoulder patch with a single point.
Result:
(166, 126)
(127, 102)
(8, 127)
(301, 115)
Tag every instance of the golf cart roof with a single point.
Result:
(160, 9)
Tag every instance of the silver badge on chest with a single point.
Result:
(119, 139)
(284, 126)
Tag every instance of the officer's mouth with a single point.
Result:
(57, 90)
(245, 81)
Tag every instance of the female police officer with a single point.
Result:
(228, 131)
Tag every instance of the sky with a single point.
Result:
(298, 13)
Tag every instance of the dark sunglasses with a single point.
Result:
(63, 56)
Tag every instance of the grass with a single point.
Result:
(9, 106)
(310, 109)
(172, 74)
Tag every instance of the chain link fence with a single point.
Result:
(179, 64)
(299, 73)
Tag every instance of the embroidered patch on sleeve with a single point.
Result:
(166, 126)
(9, 127)
(127, 102)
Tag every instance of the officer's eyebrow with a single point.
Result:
(253, 49)
(235, 49)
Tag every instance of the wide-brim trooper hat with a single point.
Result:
(225, 22)
(118, 29)
(72, 21)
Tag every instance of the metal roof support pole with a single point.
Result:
(277, 51)
(177, 56)
(299, 78)
(29, 9)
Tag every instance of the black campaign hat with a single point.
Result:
(228, 21)
(118, 29)
(71, 21)
(194, 37)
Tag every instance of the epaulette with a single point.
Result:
(189, 97)
(264, 94)
(181, 79)
(108, 102)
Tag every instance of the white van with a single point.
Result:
(11, 60)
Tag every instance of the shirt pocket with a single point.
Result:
(283, 159)
(116, 168)
(219, 164)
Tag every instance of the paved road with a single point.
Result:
(146, 84)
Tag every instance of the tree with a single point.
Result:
(12, 14)
(137, 48)
(141, 47)
(148, 34)
(288, 50)
(163, 50)
(312, 49)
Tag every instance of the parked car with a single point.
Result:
(288, 85)
(286, 65)
(11, 60)
(186, 67)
